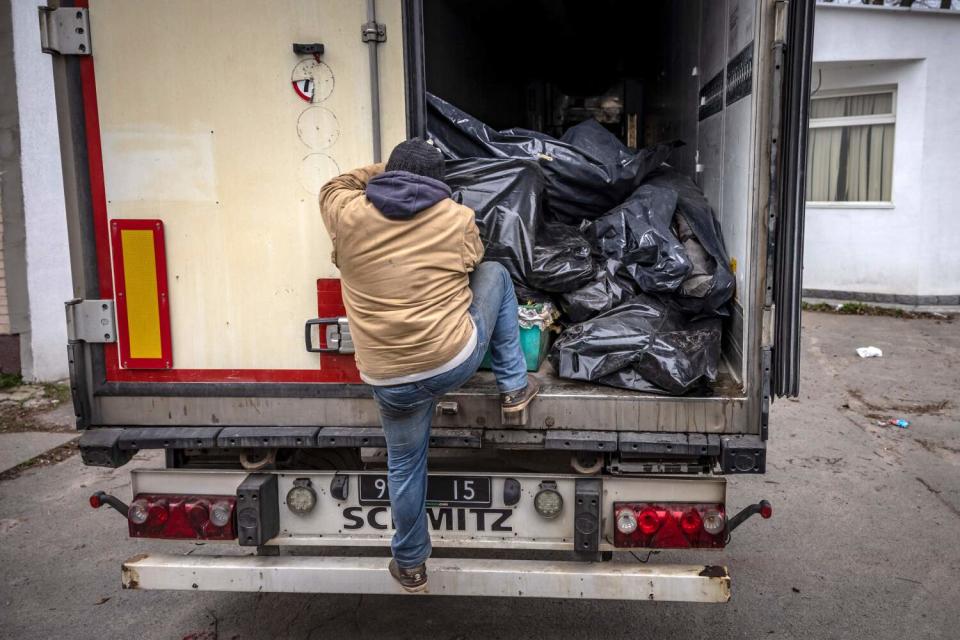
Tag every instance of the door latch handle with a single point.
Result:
(336, 334)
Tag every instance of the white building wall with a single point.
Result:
(940, 272)
(911, 248)
(43, 347)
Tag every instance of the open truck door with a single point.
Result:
(196, 137)
(795, 53)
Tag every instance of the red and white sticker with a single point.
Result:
(312, 80)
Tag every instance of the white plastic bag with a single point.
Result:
(869, 352)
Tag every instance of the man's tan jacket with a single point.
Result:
(404, 272)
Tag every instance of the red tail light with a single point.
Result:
(648, 521)
(766, 510)
(671, 526)
(691, 522)
(182, 517)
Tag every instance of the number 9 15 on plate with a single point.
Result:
(451, 491)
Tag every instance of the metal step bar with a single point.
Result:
(451, 576)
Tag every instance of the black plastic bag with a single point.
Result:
(637, 233)
(606, 289)
(507, 198)
(645, 344)
(562, 259)
(587, 172)
(710, 284)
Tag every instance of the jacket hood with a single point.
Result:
(400, 195)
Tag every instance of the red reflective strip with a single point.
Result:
(333, 367)
(228, 375)
(155, 227)
(95, 167)
(98, 197)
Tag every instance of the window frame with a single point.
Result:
(853, 121)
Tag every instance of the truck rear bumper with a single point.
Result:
(459, 576)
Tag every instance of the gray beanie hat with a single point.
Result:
(417, 156)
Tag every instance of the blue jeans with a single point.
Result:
(407, 409)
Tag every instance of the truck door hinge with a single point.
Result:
(64, 31)
(373, 32)
(780, 22)
(91, 321)
(766, 325)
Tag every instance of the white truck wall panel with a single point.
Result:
(739, 139)
(726, 140)
(713, 60)
(203, 130)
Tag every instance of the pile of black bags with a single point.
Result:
(627, 246)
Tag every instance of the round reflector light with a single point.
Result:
(95, 501)
(138, 512)
(626, 521)
(766, 509)
(220, 513)
(548, 503)
(713, 522)
(198, 513)
(648, 521)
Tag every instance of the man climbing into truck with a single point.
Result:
(423, 312)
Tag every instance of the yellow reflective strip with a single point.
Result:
(143, 307)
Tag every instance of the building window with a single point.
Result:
(850, 146)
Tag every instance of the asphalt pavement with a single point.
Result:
(864, 542)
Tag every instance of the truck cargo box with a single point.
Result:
(208, 319)
(196, 136)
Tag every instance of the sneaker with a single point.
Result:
(518, 400)
(412, 580)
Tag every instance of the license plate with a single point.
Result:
(447, 491)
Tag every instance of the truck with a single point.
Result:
(207, 320)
